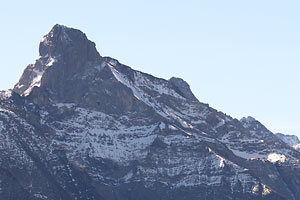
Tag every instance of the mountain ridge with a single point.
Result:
(82, 126)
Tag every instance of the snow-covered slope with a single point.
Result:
(81, 126)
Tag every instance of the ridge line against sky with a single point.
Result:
(240, 57)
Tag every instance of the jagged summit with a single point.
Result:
(63, 52)
(248, 119)
(65, 55)
(70, 70)
(182, 87)
(64, 41)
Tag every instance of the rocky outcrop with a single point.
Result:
(70, 70)
(291, 140)
(64, 52)
(182, 87)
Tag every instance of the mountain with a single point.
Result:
(291, 140)
(78, 125)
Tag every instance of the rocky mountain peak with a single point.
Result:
(65, 55)
(88, 127)
(70, 70)
(253, 124)
(64, 41)
(182, 87)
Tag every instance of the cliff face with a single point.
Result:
(81, 126)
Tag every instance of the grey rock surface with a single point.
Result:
(291, 140)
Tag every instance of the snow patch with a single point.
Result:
(37, 77)
(221, 123)
(221, 165)
(102, 136)
(51, 61)
(266, 190)
(158, 85)
(247, 155)
(5, 94)
(162, 126)
(275, 157)
(67, 105)
(137, 92)
(181, 121)
(44, 40)
(40, 196)
(36, 81)
(255, 189)
(297, 146)
(172, 127)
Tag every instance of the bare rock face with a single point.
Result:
(70, 70)
(81, 126)
(182, 88)
(64, 52)
(71, 54)
(291, 140)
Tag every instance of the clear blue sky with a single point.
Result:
(241, 57)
